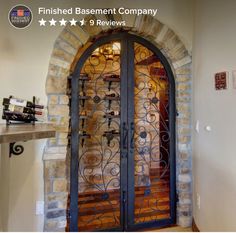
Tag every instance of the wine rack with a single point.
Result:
(110, 135)
(110, 117)
(12, 116)
(83, 135)
(15, 114)
(83, 118)
(83, 99)
(111, 98)
(83, 78)
(110, 78)
(88, 100)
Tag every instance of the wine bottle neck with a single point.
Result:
(38, 106)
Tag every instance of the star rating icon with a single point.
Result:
(42, 22)
(52, 22)
(73, 22)
(62, 22)
(82, 22)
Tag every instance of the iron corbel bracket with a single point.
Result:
(15, 149)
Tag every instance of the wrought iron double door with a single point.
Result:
(122, 137)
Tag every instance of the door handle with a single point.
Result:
(132, 135)
(124, 197)
(125, 135)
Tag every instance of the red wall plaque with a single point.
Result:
(221, 80)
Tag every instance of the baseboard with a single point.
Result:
(194, 227)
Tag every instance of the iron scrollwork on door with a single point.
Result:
(99, 153)
(151, 137)
(125, 146)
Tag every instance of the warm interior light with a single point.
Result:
(96, 52)
(108, 51)
(116, 48)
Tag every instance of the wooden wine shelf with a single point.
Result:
(84, 97)
(84, 78)
(148, 206)
(108, 79)
(24, 132)
(85, 136)
(111, 98)
(83, 117)
(111, 116)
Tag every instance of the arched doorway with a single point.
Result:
(122, 137)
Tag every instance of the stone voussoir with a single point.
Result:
(58, 110)
(70, 38)
(185, 221)
(117, 17)
(57, 149)
(64, 99)
(56, 85)
(165, 31)
(183, 86)
(179, 54)
(53, 70)
(57, 197)
(62, 44)
(94, 30)
(184, 70)
(183, 78)
(185, 60)
(147, 26)
(56, 213)
(55, 169)
(129, 20)
(59, 62)
(171, 42)
(60, 185)
(62, 55)
(79, 33)
(54, 156)
(103, 18)
(53, 99)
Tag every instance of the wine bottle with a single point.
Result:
(83, 113)
(7, 115)
(111, 132)
(112, 76)
(115, 76)
(83, 133)
(112, 95)
(83, 75)
(82, 93)
(114, 113)
(21, 102)
(20, 109)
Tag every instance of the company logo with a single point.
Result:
(20, 16)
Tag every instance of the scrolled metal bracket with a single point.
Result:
(15, 149)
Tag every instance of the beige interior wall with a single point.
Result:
(24, 58)
(214, 160)
(1, 228)
(4, 180)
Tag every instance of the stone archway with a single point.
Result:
(68, 46)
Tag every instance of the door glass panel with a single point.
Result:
(99, 151)
(151, 138)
